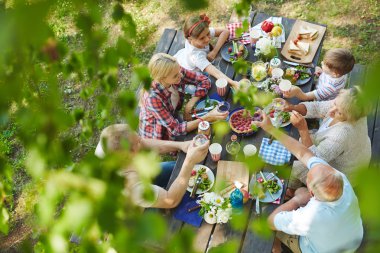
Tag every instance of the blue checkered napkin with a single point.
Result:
(275, 153)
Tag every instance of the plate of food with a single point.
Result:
(240, 121)
(204, 106)
(278, 117)
(232, 51)
(298, 75)
(268, 187)
(206, 176)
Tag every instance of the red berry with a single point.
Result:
(230, 50)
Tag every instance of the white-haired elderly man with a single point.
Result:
(325, 216)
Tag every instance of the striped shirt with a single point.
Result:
(328, 87)
(157, 112)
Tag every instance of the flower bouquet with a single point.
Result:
(271, 85)
(215, 208)
(265, 49)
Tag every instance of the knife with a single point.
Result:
(311, 65)
(195, 188)
(253, 195)
(199, 114)
(204, 109)
(193, 208)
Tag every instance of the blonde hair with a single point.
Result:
(113, 136)
(349, 105)
(339, 60)
(160, 65)
(325, 183)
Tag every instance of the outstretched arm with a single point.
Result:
(296, 148)
(296, 91)
(172, 197)
(212, 70)
(301, 197)
(222, 35)
(163, 147)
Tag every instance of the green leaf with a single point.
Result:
(4, 218)
(129, 26)
(194, 5)
(118, 12)
(124, 49)
(78, 114)
(141, 75)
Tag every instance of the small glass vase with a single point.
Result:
(268, 57)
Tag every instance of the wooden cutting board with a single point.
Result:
(314, 44)
(229, 171)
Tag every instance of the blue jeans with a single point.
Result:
(166, 171)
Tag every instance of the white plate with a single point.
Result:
(266, 110)
(210, 175)
(268, 198)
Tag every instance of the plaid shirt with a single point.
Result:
(157, 119)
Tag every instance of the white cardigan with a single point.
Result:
(345, 146)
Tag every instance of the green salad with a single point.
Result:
(205, 181)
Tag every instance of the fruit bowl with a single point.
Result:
(269, 34)
(240, 121)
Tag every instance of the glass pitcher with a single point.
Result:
(259, 71)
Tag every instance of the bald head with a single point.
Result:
(325, 182)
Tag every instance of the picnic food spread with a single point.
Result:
(307, 32)
(236, 51)
(303, 42)
(297, 73)
(299, 48)
(241, 121)
(277, 115)
(204, 183)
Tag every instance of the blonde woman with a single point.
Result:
(162, 102)
(342, 138)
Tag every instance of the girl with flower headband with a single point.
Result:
(198, 52)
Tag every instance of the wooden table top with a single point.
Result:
(244, 238)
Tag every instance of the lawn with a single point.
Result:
(351, 24)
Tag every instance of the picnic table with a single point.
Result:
(208, 235)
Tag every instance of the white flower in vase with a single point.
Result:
(265, 48)
(219, 200)
(223, 215)
(210, 217)
(209, 197)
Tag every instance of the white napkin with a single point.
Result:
(275, 20)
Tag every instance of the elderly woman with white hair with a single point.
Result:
(342, 138)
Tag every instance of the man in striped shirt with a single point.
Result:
(336, 64)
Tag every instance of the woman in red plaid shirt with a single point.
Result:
(166, 96)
